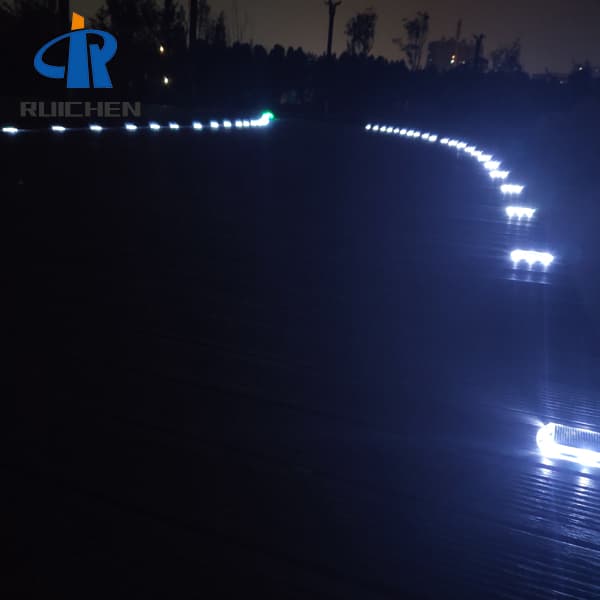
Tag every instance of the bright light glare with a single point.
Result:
(174, 126)
(130, 127)
(389, 130)
(246, 123)
(58, 128)
(492, 165)
(239, 124)
(520, 212)
(396, 130)
(368, 127)
(470, 149)
(433, 138)
(499, 174)
(461, 145)
(531, 257)
(166, 80)
(445, 141)
(197, 126)
(453, 143)
(214, 125)
(425, 136)
(509, 188)
(483, 158)
(11, 130)
(227, 124)
(403, 132)
(375, 127)
(569, 443)
(95, 128)
(154, 126)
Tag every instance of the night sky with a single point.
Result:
(554, 33)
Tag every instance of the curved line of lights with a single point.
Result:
(265, 119)
(492, 166)
(579, 451)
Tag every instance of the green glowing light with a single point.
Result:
(268, 115)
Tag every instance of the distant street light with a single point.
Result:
(161, 49)
(166, 80)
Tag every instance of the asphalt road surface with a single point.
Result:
(293, 362)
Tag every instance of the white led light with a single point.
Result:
(214, 125)
(470, 149)
(433, 138)
(154, 126)
(499, 174)
(174, 126)
(425, 136)
(483, 158)
(520, 212)
(410, 132)
(531, 257)
(239, 124)
(246, 124)
(492, 165)
(453, 143)
(368, 127)
(403, 131)
(58, 128)
(461, 145)
(417, 134)
(227, 124)
(96, 128)
(445, 141)
(10, 130)
(375, 127)
(396, 130)
(197, 126)
(572, 444)
(477, 153)
(130, 127)
(389, 130)
(509, 188)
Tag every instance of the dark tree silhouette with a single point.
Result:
(360, 31)
(333, 6)
(507, 59)
(417, 30)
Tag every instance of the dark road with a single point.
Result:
(296, 361)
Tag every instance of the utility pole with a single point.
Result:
(478, 47)
(333, 6)
(193, 22)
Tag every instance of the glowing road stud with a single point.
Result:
(512, 189)
(531, 257)
(130, 127)
(154, 126)
(10, 130)
(520, 212)
(572, 444)
(492, 165)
